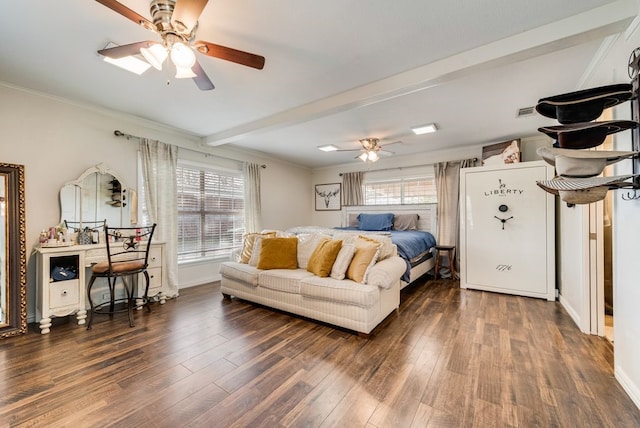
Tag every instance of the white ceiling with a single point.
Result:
(336, 71)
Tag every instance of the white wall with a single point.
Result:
(57, 140)
(626, 289)
(331, 174)
(610, 69)
(285, 197)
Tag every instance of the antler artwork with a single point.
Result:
(327, 195)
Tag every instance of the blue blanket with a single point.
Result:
(410, 243)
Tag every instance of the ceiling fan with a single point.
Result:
(371, 150)
(176, 22)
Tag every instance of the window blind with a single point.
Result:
(210, 212)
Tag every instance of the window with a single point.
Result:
(210, 211)
(418, 190)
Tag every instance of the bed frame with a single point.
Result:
(427, 221)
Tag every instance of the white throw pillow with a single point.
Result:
(387, 248)
(308, 242)
(341, 264)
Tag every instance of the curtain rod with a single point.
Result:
(119, 133)
(403, 167)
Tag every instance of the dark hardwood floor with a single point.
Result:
(447, 358)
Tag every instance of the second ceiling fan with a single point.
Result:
(176, 22)
(371, 149)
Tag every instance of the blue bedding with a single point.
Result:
(411, 244)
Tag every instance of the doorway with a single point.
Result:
(604, 305)
(608, 266)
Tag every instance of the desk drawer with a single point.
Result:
(64, 293)
(95, 255)
(155, 257)
(155, 281)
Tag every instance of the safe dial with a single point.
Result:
(503, 208)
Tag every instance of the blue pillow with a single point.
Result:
(375, 221)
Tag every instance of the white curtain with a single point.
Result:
(447, 177)
(252, 203)
(352, 188)
(159, 161)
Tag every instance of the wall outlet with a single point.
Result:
(105, 297)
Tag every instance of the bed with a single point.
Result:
(414, 246)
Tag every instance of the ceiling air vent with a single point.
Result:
(526, 111)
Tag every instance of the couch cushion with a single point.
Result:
(323, 257)
(278, 253)
(240, 271)
(287, 280)
(342, 291)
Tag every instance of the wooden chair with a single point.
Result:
(127, 255)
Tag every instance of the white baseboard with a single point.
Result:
(199, 281)
(572, 313)
(630, 388)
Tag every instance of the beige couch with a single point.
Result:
(358, 306)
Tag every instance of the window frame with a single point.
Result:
(402, 195)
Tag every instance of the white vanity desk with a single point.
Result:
(62, 298)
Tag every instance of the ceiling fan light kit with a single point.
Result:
(182, 56)
(371, 149)
(155, 55)
(176, 22)
(184, 73)
(369, 156)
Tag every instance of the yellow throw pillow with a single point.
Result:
(249, 242)
(365, 256)
(323, 257)
(278, 253)
(387, 248)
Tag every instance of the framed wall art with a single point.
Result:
(501, 153)
(329, 197)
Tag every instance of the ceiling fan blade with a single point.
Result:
(201, 79)
(230, 54)
(125, 50)
(127, 13)
(395, 142)
(385, 152)
(186, 13)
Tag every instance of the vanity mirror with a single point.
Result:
(97, 195)
(13, 261)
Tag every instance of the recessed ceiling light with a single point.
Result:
(328, 148)
(129, 63)
(424, 129)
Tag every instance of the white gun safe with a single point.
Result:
(507, 230)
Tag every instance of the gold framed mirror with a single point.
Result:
(13, 252)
